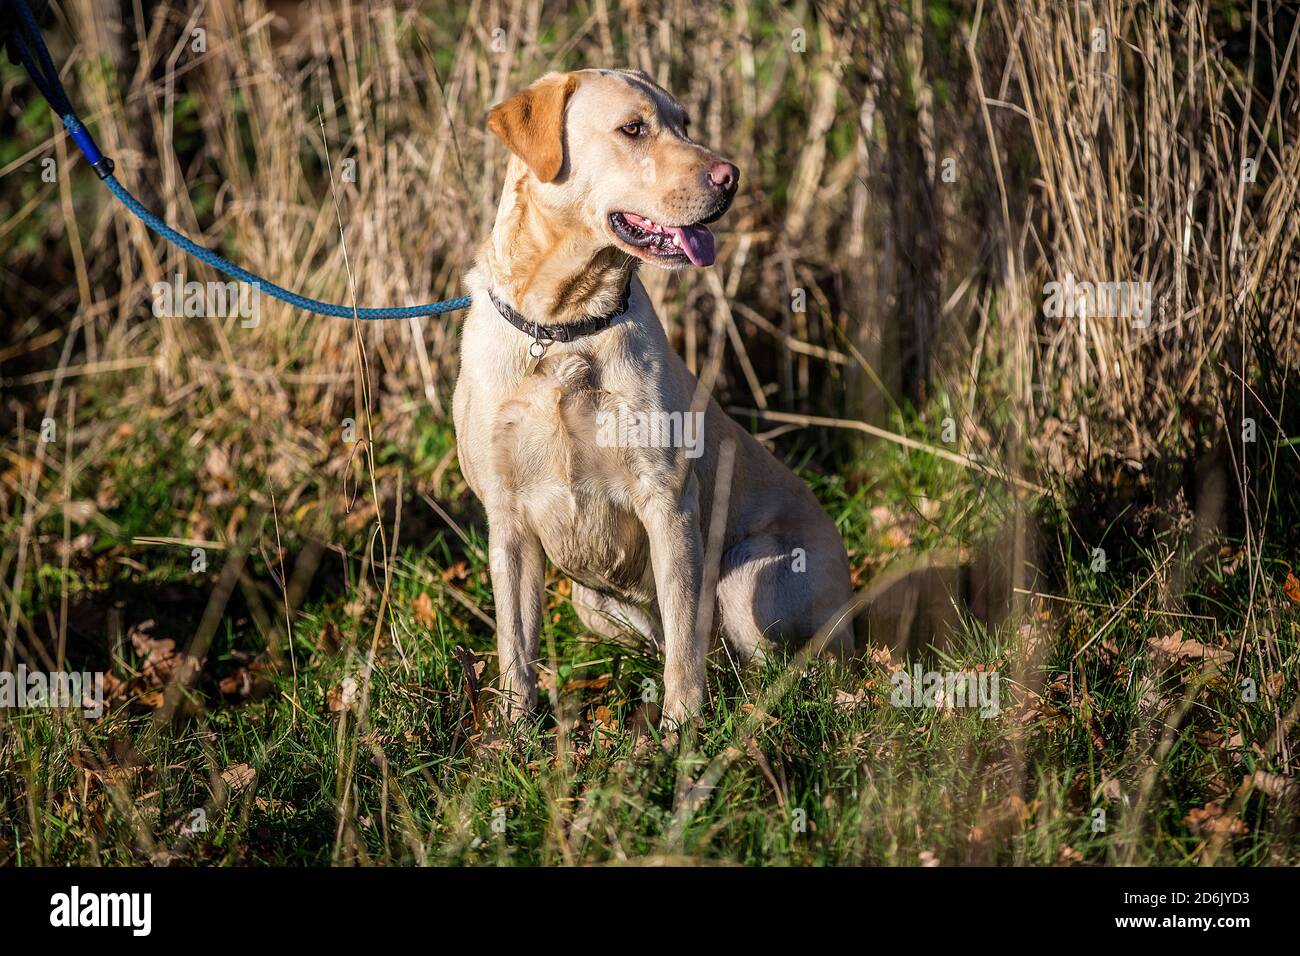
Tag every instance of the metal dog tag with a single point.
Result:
(535, 353)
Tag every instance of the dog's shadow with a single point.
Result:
(930, 605)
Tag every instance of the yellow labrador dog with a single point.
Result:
(574, 418)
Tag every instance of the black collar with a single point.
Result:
(568, 331)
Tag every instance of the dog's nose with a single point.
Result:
(724, 175)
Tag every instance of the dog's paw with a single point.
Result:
(648, 745)
(514, 709)
(679, 712)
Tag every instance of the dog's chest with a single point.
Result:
(570, 478)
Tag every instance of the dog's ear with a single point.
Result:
(531, 123)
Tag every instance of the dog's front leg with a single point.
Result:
(672, 524)
(518, 575)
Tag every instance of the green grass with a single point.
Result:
(824, 772)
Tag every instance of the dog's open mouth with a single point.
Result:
(693, 243)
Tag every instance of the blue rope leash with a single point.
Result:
(26, 44)
(243, 275)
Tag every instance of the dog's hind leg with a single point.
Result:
(772, 593)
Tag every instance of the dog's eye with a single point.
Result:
(633, 129)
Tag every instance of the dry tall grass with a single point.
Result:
(1110, 164)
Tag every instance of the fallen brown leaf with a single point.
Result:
(1273, 685)
(238, 777)
(1211, 819)
(163, 661)
(473, 669)
(1180, 648)
(1068, 855)
(117, 764)
(1292, 587)
(342, 696)
(457, 572)
(422, 608)
(851, 702)
(588, 683)
(238, 683)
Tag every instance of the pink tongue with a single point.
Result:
(697, 243)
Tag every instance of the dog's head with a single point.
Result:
(610, 151)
